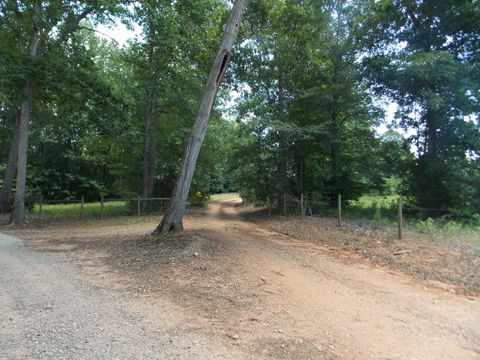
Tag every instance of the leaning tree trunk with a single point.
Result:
(9, 176)
(18, 213)
(172, 220)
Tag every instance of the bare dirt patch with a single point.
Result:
(270, 295)
(452, 265)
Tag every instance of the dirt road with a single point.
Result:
(364, 312)
(235, 285)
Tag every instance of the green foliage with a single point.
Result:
(304, 122)
(306, 76)
(424, 56)
(198, 199)
(475, 221)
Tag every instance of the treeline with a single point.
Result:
(306, 77)
(313, 74)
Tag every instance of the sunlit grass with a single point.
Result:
(90, 210)
(224, 196)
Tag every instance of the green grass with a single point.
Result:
(224, 196)
(72, 211)
(442, 229)
(369, 201)
(381, 211)
(91, 210)
(378, 210)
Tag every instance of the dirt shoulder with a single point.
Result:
(269, 295)
(49, 310)
(452, 264)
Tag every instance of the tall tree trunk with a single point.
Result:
(18, 213)
(173, 218)
(147, 152)
(151, 178)
(334, 119)
(333, 156)
(282, 180)
(9, 176)
(431, 129)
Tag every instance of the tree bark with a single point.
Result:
(173, 218)
(282, 179)
(151, 178)
(18, 213)
(147, 151)
(10, 171)
(334, 154)
(431, 132)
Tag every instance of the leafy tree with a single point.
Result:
(424, 55)
(32, 29)
(304, 101)
(173, 218)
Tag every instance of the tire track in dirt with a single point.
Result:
(363, 311)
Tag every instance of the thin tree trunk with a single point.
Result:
(147, 153)
(18, 213)
(10, 171)
(151, 178)
(173, 218)
(333, 155)
(282, 179)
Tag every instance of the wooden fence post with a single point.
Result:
(101, 207)
(82, 213)
(40, 209)
(302, 210)
(400, 218)
(139, 210)
(284, 204)
(339, 210)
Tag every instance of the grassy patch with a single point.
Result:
(381, 212)
(224, 196)
(91, 210)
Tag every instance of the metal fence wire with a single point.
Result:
(369, 209)
(48, 211)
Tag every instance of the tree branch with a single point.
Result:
(80, 27)
(72, 25)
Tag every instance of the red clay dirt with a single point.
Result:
(269, 295)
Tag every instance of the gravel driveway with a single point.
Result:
(50, 310)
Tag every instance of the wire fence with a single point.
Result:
(48, 211)
(368, 211)
(377, 210)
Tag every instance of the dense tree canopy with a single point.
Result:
(299, 111)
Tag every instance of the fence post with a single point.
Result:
(284, 204)
(339, 210)
(40, 209)
(138, 206)
(101, 207)
(302, 210)
(400, 218)
(82, 213)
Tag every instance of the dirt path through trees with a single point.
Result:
(363, 312)
(269, 296)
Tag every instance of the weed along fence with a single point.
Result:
(81, 210)
(372, 211)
